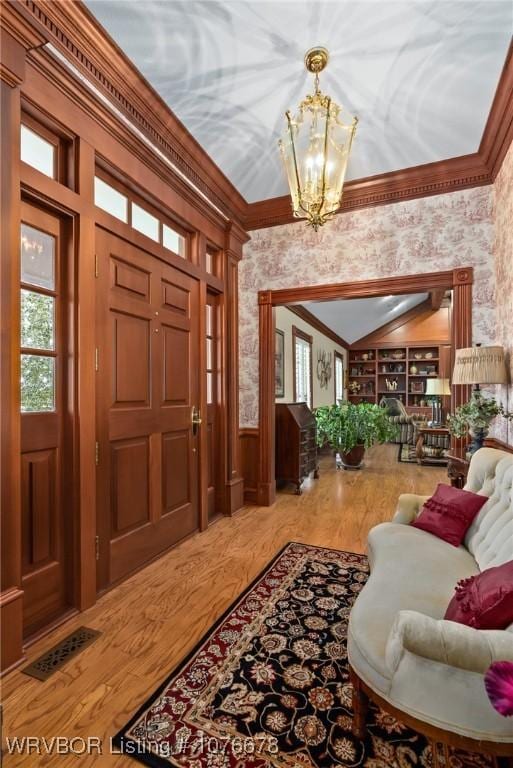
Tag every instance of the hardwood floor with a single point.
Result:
(151, 621)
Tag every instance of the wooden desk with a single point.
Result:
(424, 432)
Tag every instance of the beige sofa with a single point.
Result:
(399, 645)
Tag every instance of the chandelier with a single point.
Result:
(315, 149)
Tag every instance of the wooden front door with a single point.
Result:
(147, 388)
(46, 421)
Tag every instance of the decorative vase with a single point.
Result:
(353, 459)
(413, 370)
(478, 436)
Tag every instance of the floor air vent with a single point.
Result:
(60, 654)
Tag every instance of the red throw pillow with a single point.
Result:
(484, 601)
(449, 513)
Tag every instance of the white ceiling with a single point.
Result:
(420, 74)
(354, 318)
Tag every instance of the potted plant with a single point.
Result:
(475, 418)
(350, 428)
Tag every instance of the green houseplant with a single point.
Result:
(350, 428)
(475, 418)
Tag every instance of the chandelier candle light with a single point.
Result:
(315, 150)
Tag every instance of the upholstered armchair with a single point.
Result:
(399, 415)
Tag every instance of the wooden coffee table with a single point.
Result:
(423, 432)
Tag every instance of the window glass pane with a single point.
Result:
(339, 378)
(37, 320)
(172, 240)
(109, 199)
(37, 383)
(210, 388)
(303, 363)
(37, 257)
(37, 152)
(210, 354)
(144, 222)
(209, 319)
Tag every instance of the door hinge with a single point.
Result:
(96, 270)
(96, 359)
(97, 453)
(97, 547)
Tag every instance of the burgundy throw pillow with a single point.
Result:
(484, 601)
(449, 513)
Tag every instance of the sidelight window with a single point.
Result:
(211, 353)
(38, 332)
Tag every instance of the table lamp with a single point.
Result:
(437, 388)
(479, 365)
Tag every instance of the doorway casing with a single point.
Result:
(458, 280)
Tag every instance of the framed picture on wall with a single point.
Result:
(279, 360)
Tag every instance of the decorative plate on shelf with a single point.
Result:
(429, 355)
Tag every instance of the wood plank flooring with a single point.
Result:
(151, 621)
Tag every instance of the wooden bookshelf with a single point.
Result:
(406, 368)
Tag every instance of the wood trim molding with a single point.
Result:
(314, 321)
(477, 169)
(394, 324)
(393, 187)
(459, 280)
(498, 132)
(492, 442)
(76, 34)
(436, 298)
(421, 283)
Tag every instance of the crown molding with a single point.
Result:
(456, 173)
(73, 31)
(498, 132)
(314, 322)
(396, 186)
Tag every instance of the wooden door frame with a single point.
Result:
(458, 280)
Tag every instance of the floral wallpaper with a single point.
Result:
(503, 256)
(424, 235)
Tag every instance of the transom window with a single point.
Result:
(38, 321)
(38, 152)
(119, 205)
(302, 353)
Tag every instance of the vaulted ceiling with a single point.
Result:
(420, 74)
(352, 319)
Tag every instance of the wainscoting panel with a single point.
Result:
(249, 450)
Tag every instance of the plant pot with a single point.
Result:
(354, 458)
(478, 436)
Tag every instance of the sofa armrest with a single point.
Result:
(408, 507)
(446, 642)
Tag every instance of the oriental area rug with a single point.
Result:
(268, 685)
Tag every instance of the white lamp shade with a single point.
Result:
(438, 387)
(480, 365)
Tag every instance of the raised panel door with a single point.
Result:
(147, 385)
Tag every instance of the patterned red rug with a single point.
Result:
(269, 685)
